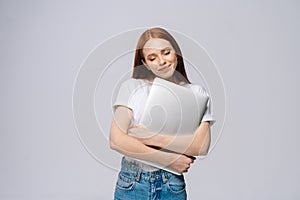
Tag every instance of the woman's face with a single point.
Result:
(160, 57)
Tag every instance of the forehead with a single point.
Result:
(156, 44)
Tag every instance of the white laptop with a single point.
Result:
(172, 109)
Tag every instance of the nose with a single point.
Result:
(161, 60)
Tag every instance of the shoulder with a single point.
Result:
(131, 82)
(198, 89)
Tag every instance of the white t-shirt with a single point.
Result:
(133, 94)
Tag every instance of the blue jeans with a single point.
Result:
(134, 183)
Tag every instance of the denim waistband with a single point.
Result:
(139, 173)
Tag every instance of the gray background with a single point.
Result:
(255, 45)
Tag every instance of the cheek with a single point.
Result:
(173, 58)
(153, 66)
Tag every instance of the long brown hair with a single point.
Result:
(141, 72)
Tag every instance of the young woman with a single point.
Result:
(157, 55)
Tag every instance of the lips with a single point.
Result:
(164, 68)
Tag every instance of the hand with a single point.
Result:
(182, 163)
(144, 135)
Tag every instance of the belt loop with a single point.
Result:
(138, 175)
(165, 177)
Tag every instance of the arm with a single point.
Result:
(193, 145)
(132, 147)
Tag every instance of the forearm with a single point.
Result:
(193, 145)
(132, 147)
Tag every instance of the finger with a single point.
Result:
(190, 161)
(191, 157)
(141, 126)
(131, 130)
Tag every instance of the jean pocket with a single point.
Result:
(176, 184)
(125, 181)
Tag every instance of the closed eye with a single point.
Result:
(151, 59)
(166, 51)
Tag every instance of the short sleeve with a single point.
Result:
(208, 115)
(125, 94)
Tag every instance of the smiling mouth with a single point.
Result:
(164, 68)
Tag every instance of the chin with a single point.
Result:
(166, 76)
